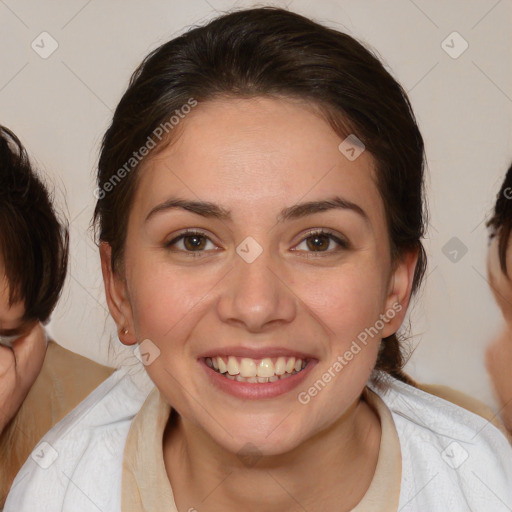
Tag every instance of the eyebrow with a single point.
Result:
(297, 211)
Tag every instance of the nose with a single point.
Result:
(256, 295)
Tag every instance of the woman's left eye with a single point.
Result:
(321, 241)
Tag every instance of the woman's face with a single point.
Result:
(255, 284)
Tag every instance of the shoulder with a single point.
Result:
(65, 380)
(467, 402)
(63, 467)
(65, 366)
(452, 458)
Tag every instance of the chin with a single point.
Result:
(257, 444)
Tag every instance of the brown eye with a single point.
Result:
(194, 242)
(320, 242)
(189, 242)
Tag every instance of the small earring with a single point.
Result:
(125, 331)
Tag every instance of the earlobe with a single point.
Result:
(399, 294)
(117, 297)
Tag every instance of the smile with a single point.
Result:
(256, 370)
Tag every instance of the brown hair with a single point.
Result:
(33, 242)
(273, 52)
(500, 223)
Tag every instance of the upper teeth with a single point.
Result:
(247, 367)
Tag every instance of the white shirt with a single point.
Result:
(452, 460)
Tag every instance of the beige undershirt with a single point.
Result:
(146, 487)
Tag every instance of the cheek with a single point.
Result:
(164, 298)
(348, 304)
(347, 300)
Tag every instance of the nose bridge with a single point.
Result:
(255, 294)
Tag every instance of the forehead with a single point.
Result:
(257, 155)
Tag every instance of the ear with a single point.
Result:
(117, 297)
(399, 292)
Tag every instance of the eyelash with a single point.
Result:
(342, 243)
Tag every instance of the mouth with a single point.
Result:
(248, 378)
(256, 371)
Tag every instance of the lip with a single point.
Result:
(256, 391)
(256, 353)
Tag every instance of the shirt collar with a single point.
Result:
(146, 487)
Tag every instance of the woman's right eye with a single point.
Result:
(189, 242)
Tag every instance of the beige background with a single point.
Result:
(61, 105)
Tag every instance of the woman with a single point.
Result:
(260, 214)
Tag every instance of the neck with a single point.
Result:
(332, 470)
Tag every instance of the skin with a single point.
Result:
(499, 352)
(256, 157)
(21, 364)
